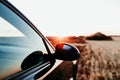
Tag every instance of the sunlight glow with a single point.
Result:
(60, 38)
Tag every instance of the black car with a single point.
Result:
(25, 54)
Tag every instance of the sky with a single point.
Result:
(72, 17)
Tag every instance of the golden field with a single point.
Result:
(99, 60)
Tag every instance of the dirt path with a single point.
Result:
(100, 60)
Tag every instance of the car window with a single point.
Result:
(17, 40)
(8, 30)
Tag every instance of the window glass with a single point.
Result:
(17, 40)
(8, 30)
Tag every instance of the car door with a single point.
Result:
(26, 54)
(18, 39)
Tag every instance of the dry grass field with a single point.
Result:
(100, 60)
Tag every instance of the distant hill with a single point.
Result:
(99, 36)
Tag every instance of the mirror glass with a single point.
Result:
(66, 52)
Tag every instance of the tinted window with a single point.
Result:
(17, 40)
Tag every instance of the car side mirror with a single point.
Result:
(43, 62)
(63, 52)
(66, 52)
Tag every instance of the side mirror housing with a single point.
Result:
(66, 52)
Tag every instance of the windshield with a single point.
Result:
(17, 40)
